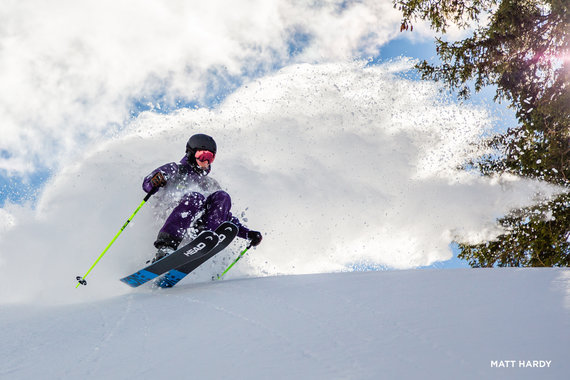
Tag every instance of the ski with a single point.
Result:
(201, 245)
(226, 231)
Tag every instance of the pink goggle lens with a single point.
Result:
(205, 156)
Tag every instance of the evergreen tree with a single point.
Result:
(523, 48)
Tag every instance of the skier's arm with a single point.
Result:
(245, 233)
(167, 171)
(242, 230)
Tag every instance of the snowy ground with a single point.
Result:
(430, 324)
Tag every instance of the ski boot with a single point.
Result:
(162, 252)
(165, 244)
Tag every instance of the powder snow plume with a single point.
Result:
(337, 164)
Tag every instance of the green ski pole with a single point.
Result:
(81, 280)
(235, 261)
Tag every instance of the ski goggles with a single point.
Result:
(205, 156)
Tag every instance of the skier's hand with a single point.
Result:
(158, 180)
(254, 238)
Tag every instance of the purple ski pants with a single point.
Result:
(215, 208)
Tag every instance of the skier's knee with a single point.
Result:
(221, 197)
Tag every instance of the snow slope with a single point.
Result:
(417, 324)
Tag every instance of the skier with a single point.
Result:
(200, 200)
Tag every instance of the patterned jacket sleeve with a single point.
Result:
(168, 170)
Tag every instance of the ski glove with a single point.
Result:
(254, 238)
(158, 180)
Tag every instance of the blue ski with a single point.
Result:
(201, 245)
(226, 232)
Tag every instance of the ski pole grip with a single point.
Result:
(150, 194)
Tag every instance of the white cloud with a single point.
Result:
(69, 70)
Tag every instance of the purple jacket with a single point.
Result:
(184, 178)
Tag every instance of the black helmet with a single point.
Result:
(200, 142)
(196, 143)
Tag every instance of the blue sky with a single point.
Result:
(17, 189)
